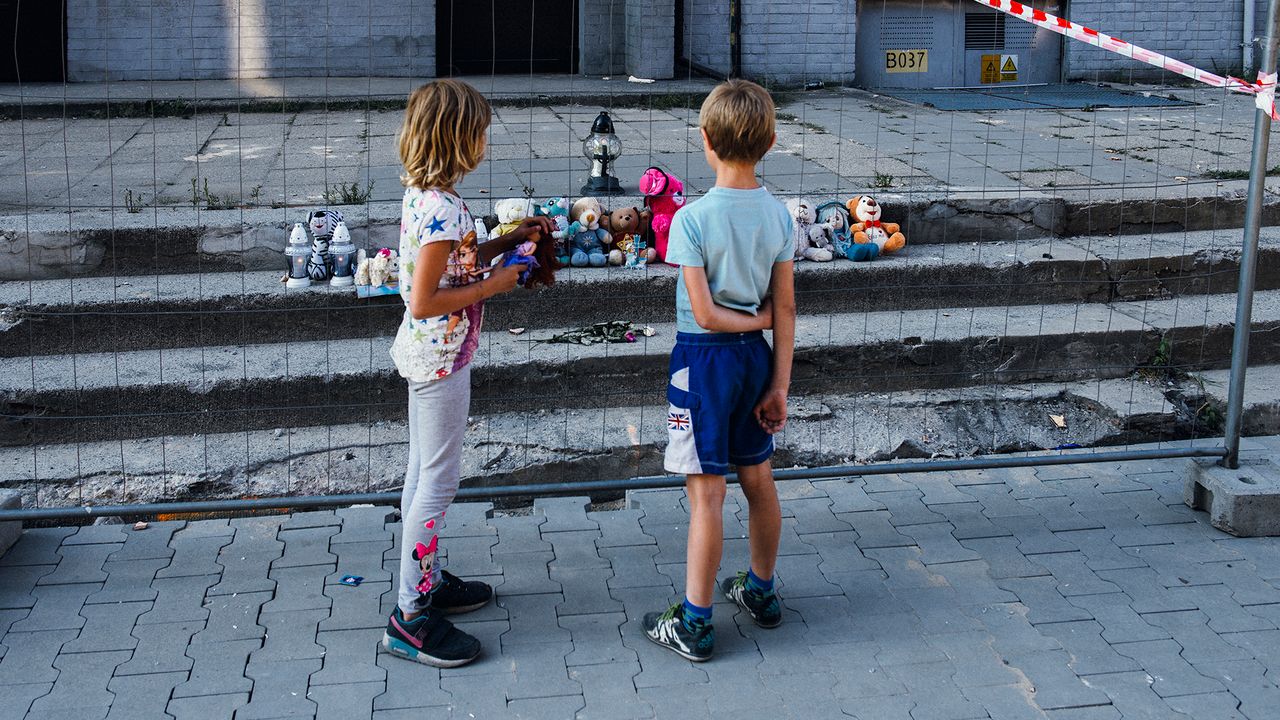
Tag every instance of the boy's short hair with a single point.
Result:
(442, 138)
(738, 119)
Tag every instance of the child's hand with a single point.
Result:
(765, 314)
(503, 278)
(771, 411)
(532, 226)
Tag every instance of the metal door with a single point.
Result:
(33, 41)
(952, 43)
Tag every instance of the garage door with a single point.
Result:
(952, 43)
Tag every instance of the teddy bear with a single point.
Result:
(810, 239)
(865, 210)
(377, 269)
(587, 240)
(626, 225)
(322, 223)
(834, 220)
(663, 196)
(557, 208)
(511, 212)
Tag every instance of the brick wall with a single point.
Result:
(184, 39)
(793, 41)
(602, 42)
(1204, 34)
(706, 34)
(651, 49)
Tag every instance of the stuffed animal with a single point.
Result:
(538, 256)
(586, 238)
(511, 212)
(808, 244)
(322, 223)
(833, 218)
(663, 196)
(557, 208)
(624, 225)
(867, 227)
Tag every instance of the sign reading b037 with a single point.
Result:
(906, 61)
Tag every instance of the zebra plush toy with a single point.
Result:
(322, 224)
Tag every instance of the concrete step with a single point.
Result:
(581, 444)
(1207, 392)
(88, 315)
(220, 388)
(35, 246)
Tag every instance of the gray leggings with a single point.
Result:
(437, 421)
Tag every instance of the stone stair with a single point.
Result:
(975, 342)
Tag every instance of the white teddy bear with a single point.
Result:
(511, 212)
(811, 241)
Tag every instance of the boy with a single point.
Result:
(728, 390)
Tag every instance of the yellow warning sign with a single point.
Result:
(1008, 68)
(990, 69)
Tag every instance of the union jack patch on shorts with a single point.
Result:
(678, 421)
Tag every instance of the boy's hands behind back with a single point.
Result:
(771, 411)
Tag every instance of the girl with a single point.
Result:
(443, 287)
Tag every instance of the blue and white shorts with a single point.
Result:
(716, 381)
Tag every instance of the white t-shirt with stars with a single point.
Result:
(437, 346)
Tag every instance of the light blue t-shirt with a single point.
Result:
(737, 236)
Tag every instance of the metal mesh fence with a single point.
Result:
(1068, 280)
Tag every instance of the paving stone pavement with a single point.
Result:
(1019, 594)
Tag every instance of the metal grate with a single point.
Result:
(1020, 36)
(915, 31)
(984, 31)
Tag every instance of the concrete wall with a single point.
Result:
(602, 40)
(798, 40)
(1204, 34)
(184, 39)
(651, 50)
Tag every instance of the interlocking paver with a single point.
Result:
(107, 627)
(526, 574)
(289, 636)
(409, 684)
(1259, 698)
(1059, 515)
(874, 530)
(539, 668)
(609, 692)
(162, 648)
(350, 701)
(149, 544)
(799, 576)
(81, 688)
(1011, 631)
(1148, 595)
(195, 555)
(311, 519)
(560, 706)
(30, 656)
(362, 524)
(814, 515)
(998, 501)
(1043, 601)
(848, 496)
(1003, 558)
(17, 699)
(128, 580)
(661, 507)
(1034, 537)
(1056, 686)
(597, 639)
(905, 508)
(1119, 622)
(575, 549)
(1100, 552)
(57, 607)
(178, 599)
(969, 522)
(937, 545)
(464, 520)
(1131, 694)
(1225, 614)
(634, 566)
(233, 617)
(565, 514)
(1199, 644)
(306, 546)
(142, 696)
(80, 564)
(588, 590)
(305, 585)
(1171, 674)
(357, 607)
(279, 690)
(350, 656)
(366, 560)
(519, 534)
(936, 696)
(470, 556)
(1006, 702)
(245, 562)
(19, 580)
(218, 669)
(37, 546)
(1090, 653)
(96, 534)
(1073, 574)
(1218, 705)
(974, 662)
(474, 696)
(621, 527)
(533, 620)
(208, 706)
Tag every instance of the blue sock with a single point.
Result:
(692, 614)
(755, 584)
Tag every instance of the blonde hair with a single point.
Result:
(738, 119)
(442, 138)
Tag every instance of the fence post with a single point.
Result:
(1249, 255)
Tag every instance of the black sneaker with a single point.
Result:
(765, 610)
(667, 629)
(456, 595)
(430, 640)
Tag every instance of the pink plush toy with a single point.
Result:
(663, 196)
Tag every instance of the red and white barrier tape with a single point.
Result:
(1264, 91)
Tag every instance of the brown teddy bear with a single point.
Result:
(624, 222)
(867, 227)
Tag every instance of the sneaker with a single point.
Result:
(668, 630)
(765, 610)
(456, 595)
(430, 640)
